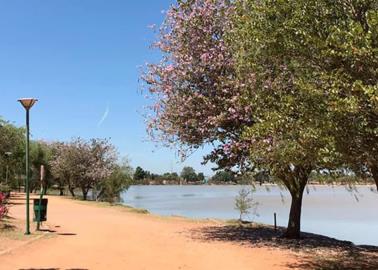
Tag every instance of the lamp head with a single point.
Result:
(27, 103)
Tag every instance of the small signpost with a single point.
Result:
(43, 174)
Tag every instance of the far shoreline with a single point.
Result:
(372, 185)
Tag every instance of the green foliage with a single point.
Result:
(339, 177)
(310, 69)
(326, 50)
(189, 174)
(40, 155)
(143, 177)
(5, 189)
(139, 174)
(244, 202)
(12, 157)
(114, 185)
(200, 177)
(12, 153)
(223, 177)
(171, 176)
(78, 164)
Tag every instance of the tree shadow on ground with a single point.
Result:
(312, 251)
(39, 269)
(17, 198)
(352, 260)
(6, 226)
(58, 233)
(67, 234)
(16, 203)
(52, 268)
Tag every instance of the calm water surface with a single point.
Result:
(331, 211)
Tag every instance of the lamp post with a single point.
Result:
(27, 103)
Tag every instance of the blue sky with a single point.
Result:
(82, 60)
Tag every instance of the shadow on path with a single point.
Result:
(352, 260)
(312, 251)
(57, 233)
(52, 268)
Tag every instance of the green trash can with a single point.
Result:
(43, 209)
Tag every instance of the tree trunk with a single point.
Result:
(61, 193)
(99, 195)
(374, 172)
(45, 186)
(85, 193)
(72, 191)
(294, 226)
(19, 183)
(296, 189)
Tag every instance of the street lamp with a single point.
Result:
(27, 103)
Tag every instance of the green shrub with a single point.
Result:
(5, 189)
(244, 202)
(112, 187)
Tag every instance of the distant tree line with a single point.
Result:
(188, 175)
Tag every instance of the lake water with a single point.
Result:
(327, 210)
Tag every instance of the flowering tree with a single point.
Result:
(239, 75)
(62, 167)
(197, 97)
(208, 91)
(84, 164)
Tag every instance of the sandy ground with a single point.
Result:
(90, 236)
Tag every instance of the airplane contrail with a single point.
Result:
(104, 116)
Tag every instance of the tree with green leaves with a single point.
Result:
(345, 58)
(291, 131)
(12, 153)
(310, 71)
(112, 187)
(189, 174)
(200, 177)
(139, 174)
(170, 176)
(40, 155)
(223, 176)
(244, 202)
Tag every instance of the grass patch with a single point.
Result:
(15, 232)
(245, 224)
(133, 209)
(112, 205)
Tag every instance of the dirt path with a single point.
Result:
(89, 236)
